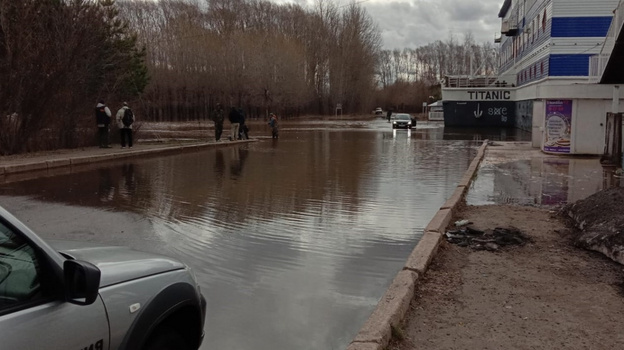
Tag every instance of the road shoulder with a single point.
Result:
(544, 295)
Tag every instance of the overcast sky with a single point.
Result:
(414, 23)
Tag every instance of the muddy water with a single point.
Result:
(292, 240)
(530, 177)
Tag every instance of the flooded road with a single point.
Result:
(293, 241)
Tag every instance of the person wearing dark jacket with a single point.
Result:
(102, 119)
(273, 125)
(218, 117)
(234, 119)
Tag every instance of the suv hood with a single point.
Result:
(117, 264)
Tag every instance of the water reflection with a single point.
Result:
(292, 240)
(239, 155)
(402, 133)
(539, 181)
(492, 134)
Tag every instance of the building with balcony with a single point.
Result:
(559, 70)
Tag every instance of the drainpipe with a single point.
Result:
(615, 105)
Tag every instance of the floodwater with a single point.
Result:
(517, 174)
(293, 241)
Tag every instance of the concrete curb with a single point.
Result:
(81, 160)
(423, 253)
(20, 168)
(389, 312)
(376, 332)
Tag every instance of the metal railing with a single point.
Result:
(436, 116)
(471, 81)
(598, 63)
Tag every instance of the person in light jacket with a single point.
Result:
(102, 119)
(234, 118)
(125, 119)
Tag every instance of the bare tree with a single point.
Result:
(56, 58)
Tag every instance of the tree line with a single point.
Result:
(411, 76)
(254, 54)
(174, 60)
(56, 59)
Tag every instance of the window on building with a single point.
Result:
(524, 35)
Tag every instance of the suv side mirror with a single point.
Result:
(82, 282)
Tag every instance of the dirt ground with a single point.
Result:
(546, 294)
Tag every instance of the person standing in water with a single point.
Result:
(273, 125)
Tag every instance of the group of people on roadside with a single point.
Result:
(239, 129)
(124, 117)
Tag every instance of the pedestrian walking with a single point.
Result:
(218, 117)
(389, 114)
(103, 119)
(125, 119)
(234, 119)
(274, 126)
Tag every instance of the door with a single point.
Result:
(33, 315)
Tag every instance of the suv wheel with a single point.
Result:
(166, 338)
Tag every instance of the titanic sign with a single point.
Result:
(489, 95)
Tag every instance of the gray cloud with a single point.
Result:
(414, 23)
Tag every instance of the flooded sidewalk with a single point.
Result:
(516, 173)
(33, 165)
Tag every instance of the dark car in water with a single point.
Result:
(402, 121)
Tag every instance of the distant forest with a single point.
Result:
(297, 61)
(173, 60)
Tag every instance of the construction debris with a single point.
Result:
(491, 240)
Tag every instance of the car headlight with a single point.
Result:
(409, 123)
(394, 122)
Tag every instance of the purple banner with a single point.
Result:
(558, 126)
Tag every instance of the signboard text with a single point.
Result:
(490, 95)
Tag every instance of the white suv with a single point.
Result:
(75, 296)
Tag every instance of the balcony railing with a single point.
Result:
(598, 63)
(436, 115)
(509, 26)
(463, 81)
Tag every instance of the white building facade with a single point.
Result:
(544, 83)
